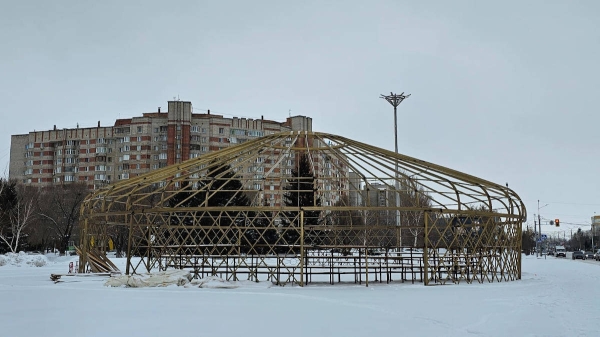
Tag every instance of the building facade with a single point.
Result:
(101, 155)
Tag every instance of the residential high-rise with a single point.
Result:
(104, 154)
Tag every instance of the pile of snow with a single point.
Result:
(160, 279)
(22, 258)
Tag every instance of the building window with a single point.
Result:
(255, 133)
(195, 128)
(221, 131)
(162, 156)
(139, 129)
(69, 178)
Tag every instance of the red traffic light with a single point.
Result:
(557, 222)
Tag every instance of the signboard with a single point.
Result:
(544, 237)
(596, 223)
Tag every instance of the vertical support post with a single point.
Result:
(520, 239)
(129, 239)
(366, 266)
(84, 243)
(426, 250)
(302, 248)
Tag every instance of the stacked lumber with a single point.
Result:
(98, 262)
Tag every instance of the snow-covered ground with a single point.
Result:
(556, 297)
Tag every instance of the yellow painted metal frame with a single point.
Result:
(453, 227)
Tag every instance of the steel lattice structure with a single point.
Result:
(252, 211)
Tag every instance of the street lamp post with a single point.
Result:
(395, 100)
(593, 249)
(539, 250)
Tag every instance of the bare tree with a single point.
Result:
(19, 217)
(413, 195)
(60, 210)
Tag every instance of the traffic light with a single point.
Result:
(557, 222)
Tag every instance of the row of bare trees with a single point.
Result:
(38, 218)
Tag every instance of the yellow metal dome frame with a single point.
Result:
(303, 207)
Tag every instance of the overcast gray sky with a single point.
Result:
(504, 90)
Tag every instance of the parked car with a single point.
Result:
(578, 254)
(589, 255)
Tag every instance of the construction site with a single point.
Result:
(301, 208)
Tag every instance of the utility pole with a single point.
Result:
(535, 235)
(540, 224)
(395, 100)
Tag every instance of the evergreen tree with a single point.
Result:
(528, 241)
(8, 201)
(223, 189)
(300, 192)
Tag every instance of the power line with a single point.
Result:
(570, 203)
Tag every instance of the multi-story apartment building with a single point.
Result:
(104, 154)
